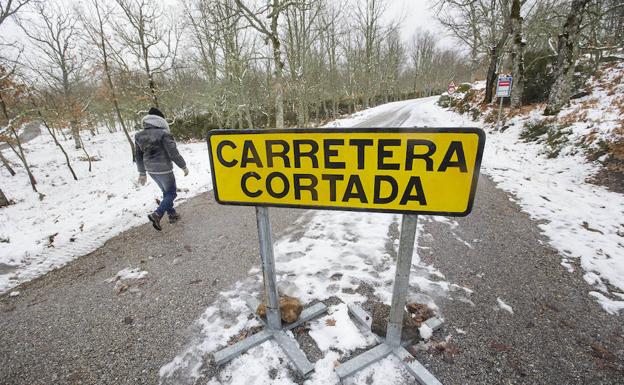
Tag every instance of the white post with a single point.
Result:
(500, 111)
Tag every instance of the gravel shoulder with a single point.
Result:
(557, 334)
(71, 326)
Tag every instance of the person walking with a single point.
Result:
(155, 151)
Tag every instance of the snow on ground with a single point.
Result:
(326, 254)
(503, 305)
(583, 221)
(68, 219)
(128, 273)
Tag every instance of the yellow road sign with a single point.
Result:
(407, 170)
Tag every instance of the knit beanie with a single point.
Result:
(155, 111)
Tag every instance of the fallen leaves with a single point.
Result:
(499, 347)
(420, 312)
(330, 322)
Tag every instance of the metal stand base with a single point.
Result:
(288, 344)
(415, 368)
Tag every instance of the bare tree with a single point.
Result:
(59, 66)
(464, 20)
(517, 54)
(331, 33)
(300, 37)
(95, 28)
(150, 38)
(11, 119)
(422, 52)
(368, 23)
(272, 11)
(568, 50)
(10, 8)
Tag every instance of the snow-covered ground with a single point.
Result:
(583, 221)
(336, 253)
(356, 246)
(68, 218)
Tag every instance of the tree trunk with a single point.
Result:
(495, 54)
(568, 47)
(517, 56)
(22, 157)
(75, 133)
(3, 199)
(279, 69)
(6, 164)
(58, 144)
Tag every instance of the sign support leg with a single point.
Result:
(401, 280)
(392, 344)
(500, 112)
(274, 329)
(271, 296)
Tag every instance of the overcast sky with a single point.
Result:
(414, 14)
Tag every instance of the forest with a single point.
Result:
(77, 68)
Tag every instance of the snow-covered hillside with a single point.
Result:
(546, 163)
(68, 218)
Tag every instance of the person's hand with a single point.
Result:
(186, 171)
(142, 180)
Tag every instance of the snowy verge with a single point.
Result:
(67, 219)
(583, 221)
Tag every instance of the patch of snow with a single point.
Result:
(334, 253)
(581, 220)
(337, 331)
(14, 293)
(128, 273)
(611, 306)
(425, 331)
(460, 331)
(504, 306)
(73, 218)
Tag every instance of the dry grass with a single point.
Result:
(578, 115)
(590, 103)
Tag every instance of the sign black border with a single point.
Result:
(425, 130)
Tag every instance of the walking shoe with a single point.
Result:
(155, 219)
(173, 218)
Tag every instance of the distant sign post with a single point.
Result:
(451, 88)
(395, 170)
(503, 90)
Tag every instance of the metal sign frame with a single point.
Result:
(424, 130)
(392, 343)
(274, 329)
(273, 325)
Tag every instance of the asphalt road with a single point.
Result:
(72, 327)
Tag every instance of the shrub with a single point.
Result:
(464, 87)
(538, 76)
(554, 136)
(193, 127)
(445, 101)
